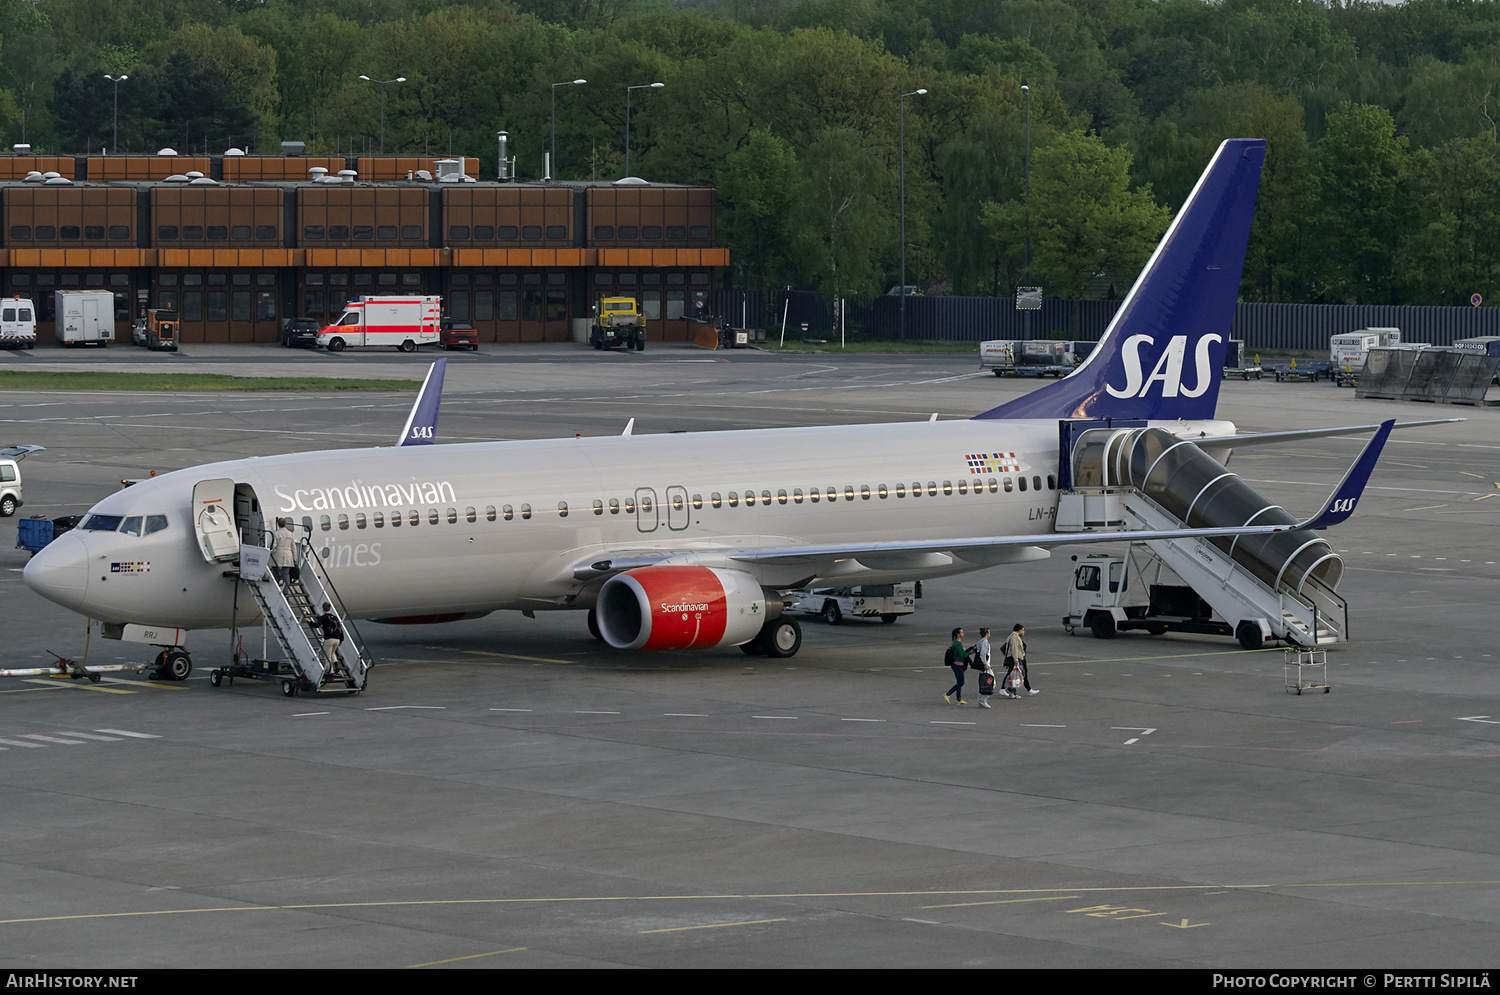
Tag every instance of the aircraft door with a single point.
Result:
(213, 519)
(677, 508)
(647, 517)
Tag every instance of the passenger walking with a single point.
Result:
(283, 552)
(1015, 659)
(327, 625)
(981, 656)
(958, 658)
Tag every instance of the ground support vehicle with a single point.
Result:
(458, 335)
(33, 534)
(1040, 358)
(71, 670)
(156, 329)
(405, 323)
(1110, 594)
(886, 602)
(1238, 363)
(618, 321)
(17, 324)
(1310, 372)
(85, 317)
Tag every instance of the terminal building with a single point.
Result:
(235, 243)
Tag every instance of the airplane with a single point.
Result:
(691, 541)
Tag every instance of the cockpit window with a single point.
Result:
(155, 523)
(131, 526)
(102, 523)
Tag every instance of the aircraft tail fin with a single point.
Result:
(1161, 355)
(421, 424)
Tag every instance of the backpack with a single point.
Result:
(987, 683)
(948, 660)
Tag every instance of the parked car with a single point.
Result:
(300, 332)
(457, 335)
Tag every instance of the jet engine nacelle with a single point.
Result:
(680, 607)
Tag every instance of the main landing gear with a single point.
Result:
(779, 638)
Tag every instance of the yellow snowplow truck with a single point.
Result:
(617, 321)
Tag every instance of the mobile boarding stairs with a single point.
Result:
(1122, 476)
(285, 611)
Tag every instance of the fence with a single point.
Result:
(1303, 327)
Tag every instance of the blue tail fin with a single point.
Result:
(421, 424)
(1161, 356)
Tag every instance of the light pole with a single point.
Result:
(383, 82)
(566, 82)
(116, 80)
(1026, 266)
(902, 289)
(643, 86)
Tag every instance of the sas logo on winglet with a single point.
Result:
(1342, 504)
(1168, 371)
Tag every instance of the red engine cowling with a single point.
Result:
(680, 607)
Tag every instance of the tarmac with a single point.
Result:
(508, 793)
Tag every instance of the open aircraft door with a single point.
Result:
(213, 518)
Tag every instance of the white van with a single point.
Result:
(17, 323)
(10, 476)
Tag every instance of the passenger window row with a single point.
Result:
(679, 500)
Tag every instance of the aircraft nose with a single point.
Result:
(60, 571)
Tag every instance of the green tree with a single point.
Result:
(1454, 247)
(757, 187)
(842, 221)
(1356, 216)
(1086, 222)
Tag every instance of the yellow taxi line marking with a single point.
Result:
(453, 960)
(1002, 901)
(715, 925)
(694, 898)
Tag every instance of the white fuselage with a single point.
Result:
(507, 525)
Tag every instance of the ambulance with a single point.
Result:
(402, 322)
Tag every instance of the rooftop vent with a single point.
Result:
(175, 178)
(21, 149)
(33, 177)
(293, 148)
(192, 174)
(59, 181)
(631, 181)
(166, 152)
(348, 175)
(317, 172)
(234, 151)
(423, 174)
(202, 181)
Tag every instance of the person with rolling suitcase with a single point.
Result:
(980, 655)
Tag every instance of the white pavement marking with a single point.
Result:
(133, 735)
(946, 722)
(685, 715)
(773, 716)
(1139, 729)
(510, 709)
(392, 708)
(52, 739)
(861, 720)
(1479, 718)
(303, 715)
(20, 742)
(89, 735)
(583, 712)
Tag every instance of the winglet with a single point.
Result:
(1341, 504)
(421, 424)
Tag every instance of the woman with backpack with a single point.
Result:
(958, 658)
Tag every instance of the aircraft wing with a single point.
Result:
(1220, 443)
(991, 550)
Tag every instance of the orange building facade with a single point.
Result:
(235, 244)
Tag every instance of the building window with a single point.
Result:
(676, 232)
(506, 232)
(698, 231)
(557, 231)
(384, 231)
(364, 232)
(411, 231)
(69, 231)
(46, 233)
(604, 232)
(119, 232)
(265, 232)
(21, 233)
(628, 231)
(531, 231)
(338, 232)
(313, 233)
(651, 231)
(484, 232)
(218, 232)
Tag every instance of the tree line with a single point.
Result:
(1381, 186)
